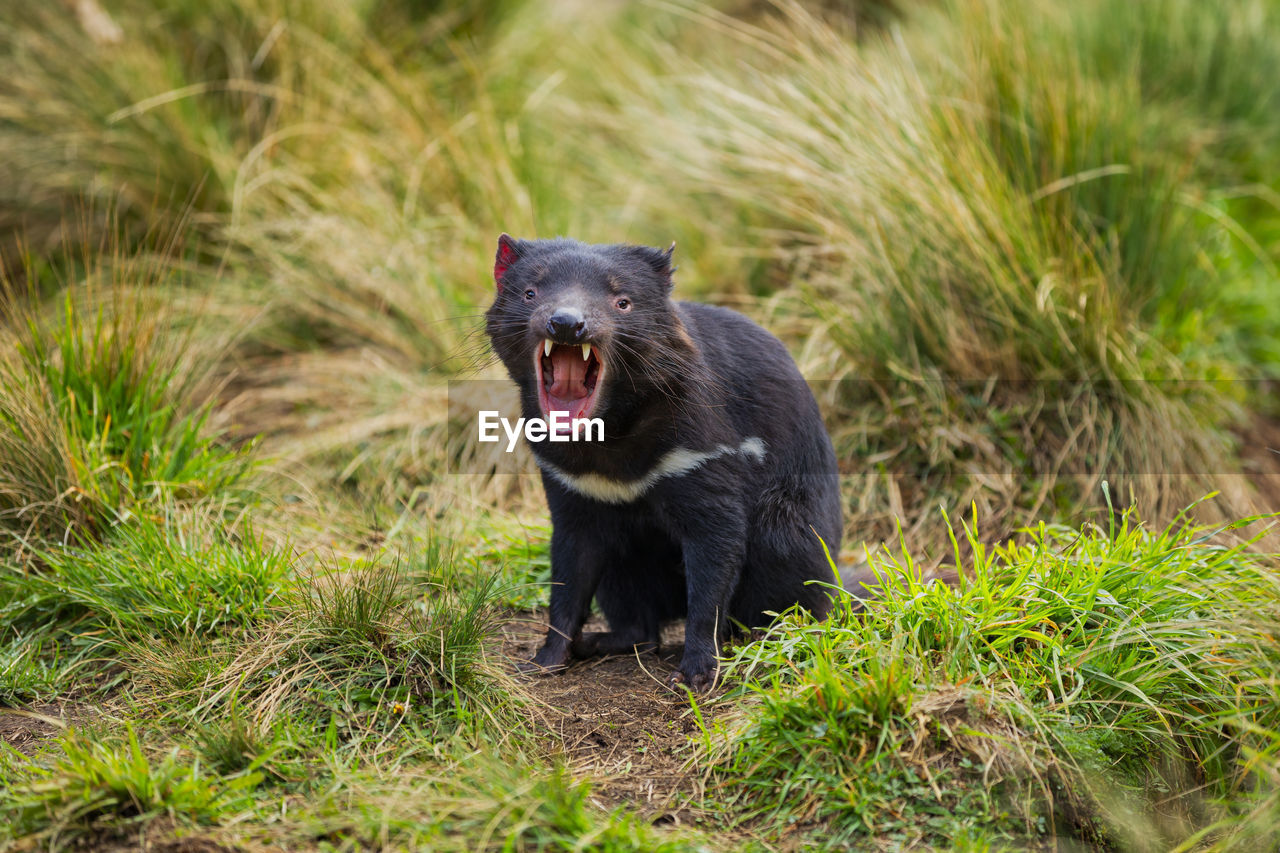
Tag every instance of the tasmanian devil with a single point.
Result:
(714, 488)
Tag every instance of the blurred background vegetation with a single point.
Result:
(1034, 247)
(1021, 248)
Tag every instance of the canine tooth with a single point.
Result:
(546, 346)
(586, 351)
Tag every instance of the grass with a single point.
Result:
(1112, 684)
(359, 661)
(102, 790)
(248, 666)
(488, 806)
(73, 613)
(152, 579)
(25, 676)
(524, 557)
(1024, 249)
(105, 405)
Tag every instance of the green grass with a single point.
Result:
(524, 557)
(487, 805)
(98, 791)
(25, 674)
(151, 579)
(360, 661)
(72, 613)
(246, 244)
(248, 669)
(105, 406)
(1110, 684)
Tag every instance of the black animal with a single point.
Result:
(715, 478)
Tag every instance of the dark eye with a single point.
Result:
(623, 304)
(530, 293)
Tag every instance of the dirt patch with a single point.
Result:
(619, 723)
(25, 729)
(192, 845)
(162, 835)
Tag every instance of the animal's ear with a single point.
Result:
(660, 261)
(509, 251)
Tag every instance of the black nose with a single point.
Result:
(566, 326)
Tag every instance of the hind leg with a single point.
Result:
(634, 640)
(639, 591)
(786, 563)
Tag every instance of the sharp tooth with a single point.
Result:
(546, 346)
(586, 351)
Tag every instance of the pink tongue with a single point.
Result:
(569, 373)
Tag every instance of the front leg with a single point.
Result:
(714, 546)
(577, 560)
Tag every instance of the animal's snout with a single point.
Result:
(566, 326)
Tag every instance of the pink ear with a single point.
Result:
(507, 255)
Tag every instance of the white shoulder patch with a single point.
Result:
(753, 447)
(674, 463)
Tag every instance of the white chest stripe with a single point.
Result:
(674, 463)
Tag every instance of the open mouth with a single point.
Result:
(568, 378)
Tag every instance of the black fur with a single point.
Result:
(723, 544)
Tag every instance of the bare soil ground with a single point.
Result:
(618, 722)
(26, 728)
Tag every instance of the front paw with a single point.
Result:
(550, 659)
(698, 676)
